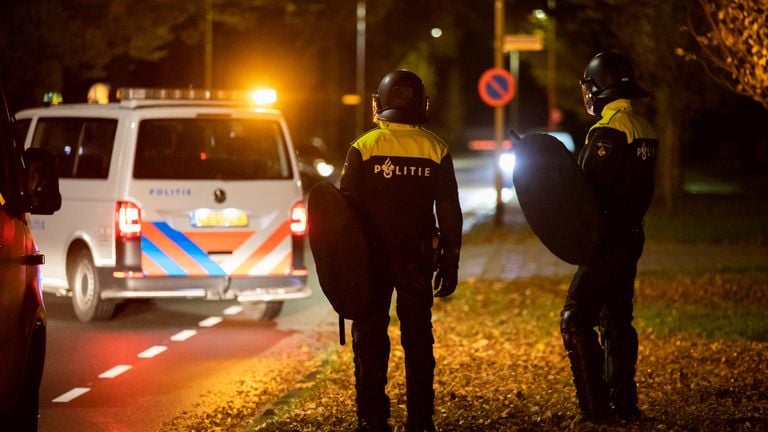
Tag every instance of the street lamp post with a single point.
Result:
(360, 69)
(550, 27)
(208, 55)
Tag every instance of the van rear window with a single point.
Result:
(211, 148)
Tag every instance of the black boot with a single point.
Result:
(370, 345)
(419, 425)
(373, 426)
(586, 357)
(420, 396)
(620, 362)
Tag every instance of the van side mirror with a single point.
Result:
(43, 196)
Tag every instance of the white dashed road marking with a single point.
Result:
(68, 396)
(151, 352)
(115, 371)
(183, 335)
(210, 321)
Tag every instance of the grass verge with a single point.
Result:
(501, 367)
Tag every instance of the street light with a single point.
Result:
(554, 116)
(360, 69)
(208, 44)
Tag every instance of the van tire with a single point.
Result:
(86, 290)
(262, 311)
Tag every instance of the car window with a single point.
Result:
(230, 149)
(7, 173)
(83, 147)
(12, 174)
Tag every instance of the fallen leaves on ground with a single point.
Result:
(501, 365)
(253, 389)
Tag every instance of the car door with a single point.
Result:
(15, 247)
(15, 252)
(22, 315)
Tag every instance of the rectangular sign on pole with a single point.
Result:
(522, 42)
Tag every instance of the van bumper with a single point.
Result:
(245, 289)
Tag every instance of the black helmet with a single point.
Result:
(401, 98)
(607, 77)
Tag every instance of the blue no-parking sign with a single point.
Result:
(496, 87)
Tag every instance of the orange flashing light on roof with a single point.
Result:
(264, 97)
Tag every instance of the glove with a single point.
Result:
(447, 271)
(446, 280)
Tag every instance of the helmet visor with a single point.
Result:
(587, 94)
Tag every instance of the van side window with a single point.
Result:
(22, 128)
(83, 147)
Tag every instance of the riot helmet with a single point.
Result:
(607, 77)
(401, 98)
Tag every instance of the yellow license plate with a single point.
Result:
(219, 218)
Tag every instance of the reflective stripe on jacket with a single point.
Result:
(618, 161)
(398, 174)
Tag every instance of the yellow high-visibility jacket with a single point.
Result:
(618, 161)
(402, 176)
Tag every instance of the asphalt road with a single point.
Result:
(154, 359)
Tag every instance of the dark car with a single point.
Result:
(28, 184)
(314, 164)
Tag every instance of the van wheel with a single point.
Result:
(262, 311)
(86, 290)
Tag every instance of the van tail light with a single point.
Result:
(127, 220)
(298, 219)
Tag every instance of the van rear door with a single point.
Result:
(216, 193)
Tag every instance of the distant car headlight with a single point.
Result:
(507, 162)
(323, 168)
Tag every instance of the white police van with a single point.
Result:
(171, 193)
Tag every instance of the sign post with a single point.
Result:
(497, 87)
(498, 123)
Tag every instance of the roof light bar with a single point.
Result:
(128, 93)
(266, 96)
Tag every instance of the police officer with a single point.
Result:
(399, 175)
(618, 162)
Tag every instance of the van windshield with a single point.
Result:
(204, 148)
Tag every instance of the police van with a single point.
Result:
(171, 193)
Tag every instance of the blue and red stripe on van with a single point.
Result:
(169, 252)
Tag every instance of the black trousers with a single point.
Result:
(601, 294)
(406, 265)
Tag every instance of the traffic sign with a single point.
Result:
(522, 42)
(496, 87)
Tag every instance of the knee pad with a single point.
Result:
(619, 339)
(574, 329)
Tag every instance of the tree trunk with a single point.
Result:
(668, 170)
